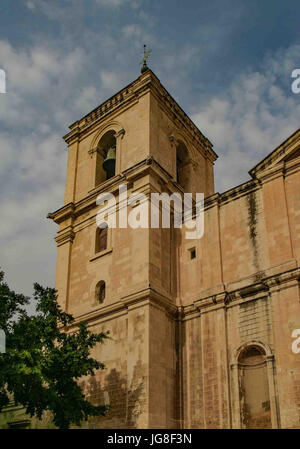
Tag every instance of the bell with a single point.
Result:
(109, 163)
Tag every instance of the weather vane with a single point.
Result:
(144, 60)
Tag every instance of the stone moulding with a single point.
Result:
(147, 81)
(251, 291)
(281, 150)
(65, 237)
(145, 297)
(112, 185)
(139, 170)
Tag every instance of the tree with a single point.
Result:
(44, 360)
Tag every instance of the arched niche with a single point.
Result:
(183, 162)
(100, 292)
(253, 387)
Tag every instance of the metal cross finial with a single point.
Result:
(144, 60)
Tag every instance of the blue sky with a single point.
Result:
(227, 62)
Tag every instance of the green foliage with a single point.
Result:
(43, 362)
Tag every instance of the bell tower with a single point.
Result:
(124, 279)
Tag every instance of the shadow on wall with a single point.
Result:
(126, 404)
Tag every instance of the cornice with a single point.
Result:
(112, 186)
(251, 291)
(135, 172)
(83, 125)
(146, 297)
(276, 154)
(146, 82)
(276, 281)
(66, 236)
(170, 106)
(238, 191)
(292, 166)
(63, 213)
(218, 199)
(271, 173)
(150, 297)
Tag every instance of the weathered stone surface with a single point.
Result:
(180, 326)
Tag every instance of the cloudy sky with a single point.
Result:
(227, 62)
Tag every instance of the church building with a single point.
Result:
(202, 330)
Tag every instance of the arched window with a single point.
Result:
(254, 391)
(101, 238)
(106, 157)
(100, 292)
(182, 160)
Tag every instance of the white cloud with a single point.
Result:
(32, 69)
(252, 117)
(110, 3)
(117, 3)
(47, 90)
(31, 5)
(33, 157)
(55, 10)
(87, 99)
(52, 80)
(132, 30)
(110, 80)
